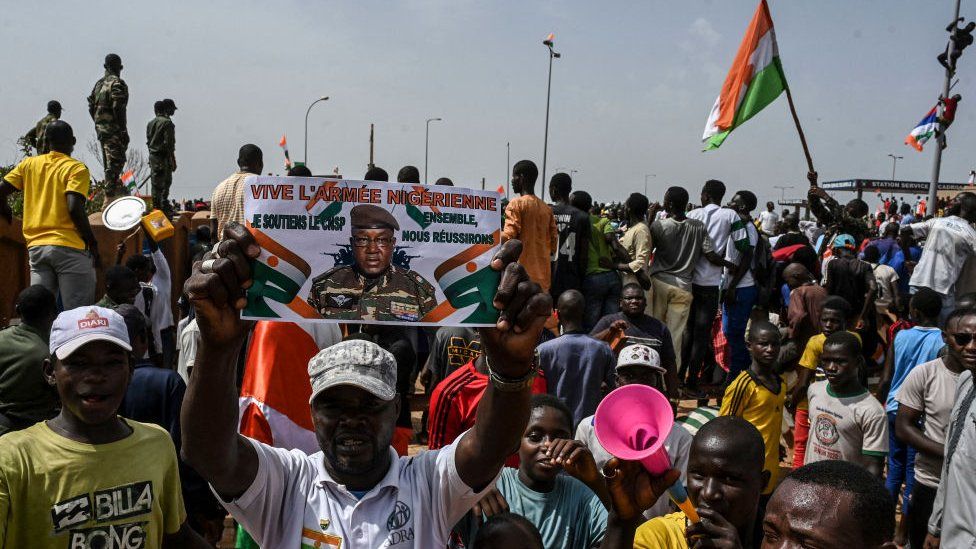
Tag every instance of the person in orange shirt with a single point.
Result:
(530, 220)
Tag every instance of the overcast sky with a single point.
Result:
(630, 95)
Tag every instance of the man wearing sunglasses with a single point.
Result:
(372, 288)
(953, 519)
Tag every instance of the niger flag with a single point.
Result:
(274, 406)
(754, 81)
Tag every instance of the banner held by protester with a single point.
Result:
(362, 251)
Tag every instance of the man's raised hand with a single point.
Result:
(510, 345)
(218, 284)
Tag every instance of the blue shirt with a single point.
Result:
(897, 262)
(155, 395)
(913, 346)
(571, 516)
(575, 366)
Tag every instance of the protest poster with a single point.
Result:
(337, 250)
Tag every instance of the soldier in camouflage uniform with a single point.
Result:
(161, 141)
(106, 104)
(372, 288)
(35, 136)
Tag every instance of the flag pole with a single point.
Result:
(799, 129)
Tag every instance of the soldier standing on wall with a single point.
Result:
(35, 136)
(106, 104)
(161, 142)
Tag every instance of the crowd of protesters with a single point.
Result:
(820, 372)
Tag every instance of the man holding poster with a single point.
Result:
(372, 288)
(356, 492)
(336, 250)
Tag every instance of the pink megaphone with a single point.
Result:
(632, 423)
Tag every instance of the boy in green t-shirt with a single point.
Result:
(89, 478)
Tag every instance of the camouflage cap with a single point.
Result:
(359, 363)
(368, 216)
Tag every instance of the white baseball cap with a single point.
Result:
(76, 327)
(640, 355)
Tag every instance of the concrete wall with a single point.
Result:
(15, 271)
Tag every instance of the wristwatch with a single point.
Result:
(510, 385)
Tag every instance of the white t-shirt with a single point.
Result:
(930, 388)
(718, 221)
(845, 427)
(949, 242)
(293, 502)
(188, 343)
(768, 221)
(734, 255)
(887, 281)
(677, 445)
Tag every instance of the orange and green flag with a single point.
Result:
(755, 80)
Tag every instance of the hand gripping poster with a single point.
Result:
(336, 250)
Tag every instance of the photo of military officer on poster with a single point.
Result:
(372, 288)
(338, 250)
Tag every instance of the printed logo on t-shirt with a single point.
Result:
(104, 506)
(461, 351)
(826, 430)
(399, 517)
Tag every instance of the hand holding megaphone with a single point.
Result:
(632, 489)
(632, 423)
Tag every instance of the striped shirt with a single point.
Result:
(697, 418)
(748, 398)
(454, 405)
(228, 202)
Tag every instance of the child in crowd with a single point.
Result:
(847, 422)
(568, 510)
(757, 395)
(88, 476)
(833, 318)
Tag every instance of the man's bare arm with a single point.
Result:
(510, 351)
(209, 416)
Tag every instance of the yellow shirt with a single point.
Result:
(667, 532)
(57, 493)
(749, 399)
(45, 179)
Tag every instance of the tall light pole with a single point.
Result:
(508, 166)
(645, 181)
(427, 145)
(782, 190)
(894, 161)
(323, 98)
(545, 143)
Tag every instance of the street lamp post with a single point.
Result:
(894, 161)
(545, 143)
(782, 190)
(323, 98)
(427, 145)
(645, 181)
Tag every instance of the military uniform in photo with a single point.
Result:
(35, 136)
(161, 142)
(107, 104)
(348, 293)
